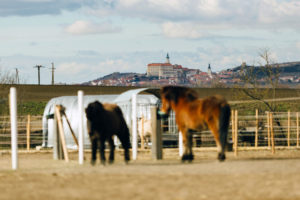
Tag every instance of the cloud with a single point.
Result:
(88, 53)
(260, 14)
(82, 27)
(71, 68)
(263, 14)
(40, 7)
(182, 30)
(298, 45)
(83, 71)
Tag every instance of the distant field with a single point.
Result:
(33, 98)
(46, 92)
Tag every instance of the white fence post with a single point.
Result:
(180, 144)
(14, 128)
(55, 140)
(134, 127)
(80, 127)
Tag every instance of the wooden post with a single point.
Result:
(156, 135)
(142, 133)
(28, 127)
(289, 129)
(61, 134)
(72, 132)
(232, 126)
(297, 124)
(236, 133)
(268, 125)
(272, 133)
(256, 128)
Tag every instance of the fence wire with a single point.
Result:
(285, 129)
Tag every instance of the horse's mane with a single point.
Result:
(173, 93)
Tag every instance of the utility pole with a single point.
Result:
(38, 67)
(52, 69)
(17, 76)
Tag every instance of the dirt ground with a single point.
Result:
(251, 175)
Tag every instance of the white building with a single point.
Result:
(163, 70)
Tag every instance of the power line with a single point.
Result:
(39, 67)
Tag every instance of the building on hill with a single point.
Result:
(164, 70)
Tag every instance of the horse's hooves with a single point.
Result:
(184, 158)
(111, 161)
(103, 162)
(93, 162)
(187, 157)
(221, 157)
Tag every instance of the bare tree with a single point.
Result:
(6, 80)
(260, 83)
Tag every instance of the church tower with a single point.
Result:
(167, 58)
(209, 71)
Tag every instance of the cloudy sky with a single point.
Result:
(87, 39)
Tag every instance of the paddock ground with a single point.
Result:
(251, 175)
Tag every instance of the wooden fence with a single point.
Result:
(267, 130)
(29, 132)
(260, 131)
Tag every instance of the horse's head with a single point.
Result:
(93, 110)
(171, 96)
(166, 97)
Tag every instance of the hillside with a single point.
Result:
(113, 76)
(284, 69)
(289, 75)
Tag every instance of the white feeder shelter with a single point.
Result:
(132, 104)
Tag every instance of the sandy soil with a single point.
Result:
(251, 175)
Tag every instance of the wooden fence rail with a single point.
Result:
(29, 132)
(261, 130)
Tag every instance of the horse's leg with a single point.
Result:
(102, 150)
(223, 129)
(124, 138)
(186, 152)
(215, 131)
(126, 154)
(112, 150)
(94, 150)
(190, 145)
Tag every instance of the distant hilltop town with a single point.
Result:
(158, 74)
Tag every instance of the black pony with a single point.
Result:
(104, 121)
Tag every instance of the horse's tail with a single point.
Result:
(223, 125)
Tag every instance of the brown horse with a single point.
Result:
(104, 121)
(193, 113)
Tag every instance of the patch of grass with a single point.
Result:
(24, 108)
(32, 108)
